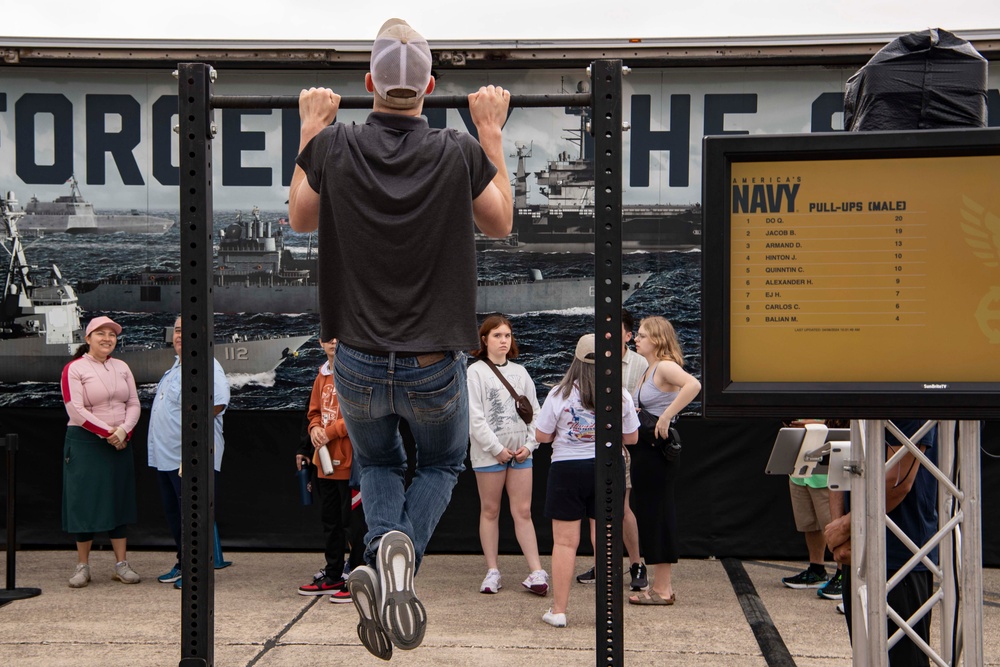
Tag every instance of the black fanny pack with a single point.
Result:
(669, 447)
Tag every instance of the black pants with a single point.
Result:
(115, 533)
(340, 525)
(908, 596)
(356, 532)
(170, 494)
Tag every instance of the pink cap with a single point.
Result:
(400, 65)
(103, 321)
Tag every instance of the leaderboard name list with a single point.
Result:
(835, 267)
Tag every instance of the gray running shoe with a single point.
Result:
(125, 574)
(81, 577)
(403, 615)
(363, 587)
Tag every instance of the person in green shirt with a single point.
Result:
(811, 508)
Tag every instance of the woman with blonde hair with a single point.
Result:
(666, 389)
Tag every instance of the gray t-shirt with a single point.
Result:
(397, 269)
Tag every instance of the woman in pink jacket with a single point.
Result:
(98, 473)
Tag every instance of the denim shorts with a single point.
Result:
(500, 467)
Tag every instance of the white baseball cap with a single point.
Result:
(400, 65)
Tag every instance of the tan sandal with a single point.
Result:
(652, 598)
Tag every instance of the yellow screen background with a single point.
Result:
(906, 289)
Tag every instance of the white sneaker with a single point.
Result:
(555, 620)
(537, 582)
(840, 608)
(81, 576)
(491, 584)
(125, 574)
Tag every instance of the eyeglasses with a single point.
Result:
(639, 336)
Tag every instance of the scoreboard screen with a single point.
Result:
(855, 274)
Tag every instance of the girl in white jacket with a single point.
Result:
(500, 450)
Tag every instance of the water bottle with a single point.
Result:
(304, 493)
(325, 461)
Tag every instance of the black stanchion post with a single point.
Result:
(12, 593)
(609, 499)
(197, 435)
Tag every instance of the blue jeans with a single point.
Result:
(375, 392)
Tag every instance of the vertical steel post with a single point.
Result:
(12, 592)
(10, 446)
(197, 434)
(971, 551)
(609, 480)
(872, 612)
(946, 459)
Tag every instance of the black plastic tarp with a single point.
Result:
(923, 80)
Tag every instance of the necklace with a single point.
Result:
(100, 376)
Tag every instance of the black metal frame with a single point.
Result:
(196, 104)
(197, 391)
(609, 499)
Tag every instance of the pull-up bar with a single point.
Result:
(196, 130)
(365, 101)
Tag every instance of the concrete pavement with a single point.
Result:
(260, 621)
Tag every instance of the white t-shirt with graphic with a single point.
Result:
(574, 426)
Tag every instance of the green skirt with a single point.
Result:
(98, 484)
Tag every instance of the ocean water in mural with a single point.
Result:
(546, 337)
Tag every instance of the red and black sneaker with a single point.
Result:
(324, 586)
(340, 597)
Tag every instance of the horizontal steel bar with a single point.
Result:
(365, 101)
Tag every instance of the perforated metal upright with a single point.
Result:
(606, 125)
(197, 437)
(959, 537)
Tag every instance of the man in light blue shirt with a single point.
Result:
(164, 443)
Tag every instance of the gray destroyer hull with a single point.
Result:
(32, 360)
(75, 215)
(513, 298)
(94, 224)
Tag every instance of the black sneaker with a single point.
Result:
(805, 579)
(587, 577)
(640, 582)
(834, 589)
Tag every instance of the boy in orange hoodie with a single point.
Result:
(327, 430)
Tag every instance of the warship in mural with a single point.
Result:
(40, 325)
(565, 222)
(74, 215)
(256, 273)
